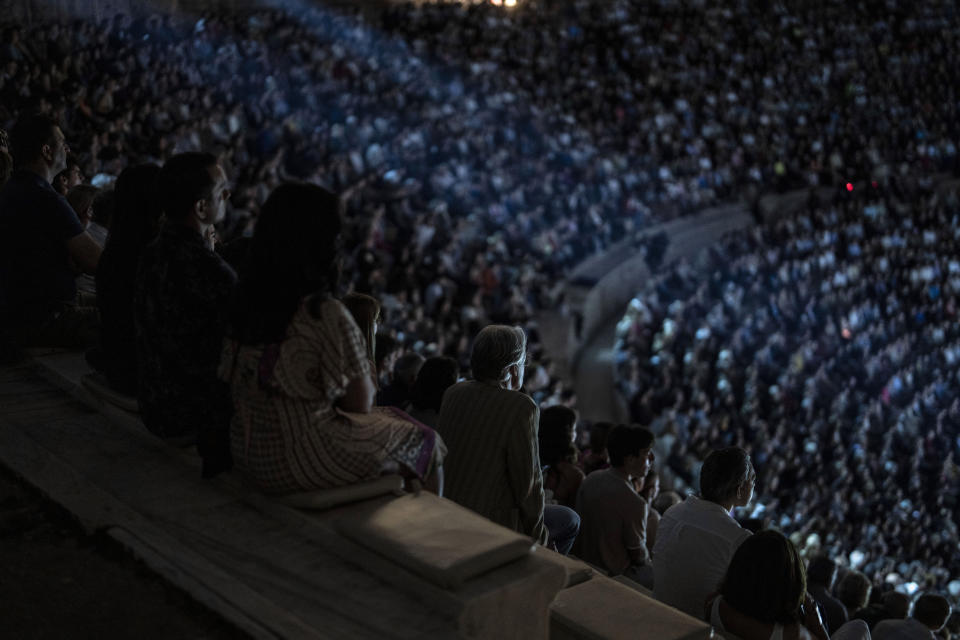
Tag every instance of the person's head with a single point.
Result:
(37, 143)
(651, 485)
(765, 579)
(67, 179)
(193, 189)
(629, 447)
(557, 435)
(896, 605)
(435, 376)
(366, 313)
(822, 570)
(498, 356)
(81, 200)
(853, 590)
(932, 610)
(727, 477)
(136, 210)
(294, 254)
(665, 500)
(598, 436)
(406, 368)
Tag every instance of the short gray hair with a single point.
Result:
(496, 347)
(723, 472)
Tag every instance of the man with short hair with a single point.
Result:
(613, 516)
(42, 245)
(490, 428)
(181, 305)
(930, 613)
(821, 574)
(697, 538)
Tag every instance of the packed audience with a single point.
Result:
(478, 153)
(825, 344)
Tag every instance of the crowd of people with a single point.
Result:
(825, 344)
(443, 165)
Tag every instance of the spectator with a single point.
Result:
(81, 199)
(558, 455)
(762, 592)
(893, 605)
(930, 613)
(697, 537)
(491, 430)
(821, 575)
(68, 179)
(41, 239)
(435, 376)
(181, 304)
(853, 591)
(298, 365)
(595, 455)
(613, 515)
(396, 392)
(135, 224)
(664, 501)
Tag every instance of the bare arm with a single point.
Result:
(84, 252)
(359, 395)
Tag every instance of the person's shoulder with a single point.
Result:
(519, 400)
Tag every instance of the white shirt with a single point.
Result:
(695, 541)
(909, 629)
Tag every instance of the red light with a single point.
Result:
(874, 184)
(849, 186)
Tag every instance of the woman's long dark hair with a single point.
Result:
(136, 216)
(765, 580)
(294, 253)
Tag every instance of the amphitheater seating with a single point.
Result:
(365, 566)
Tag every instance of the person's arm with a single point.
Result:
(360, 391)
(635, 535)
(359, 395)
(84, 252)
(653, 523)
(526, 480)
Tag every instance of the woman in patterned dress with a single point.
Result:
(298, 365)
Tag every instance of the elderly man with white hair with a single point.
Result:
(490, 428)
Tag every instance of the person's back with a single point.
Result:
(35, 262)
(41, 239)
(490, 428)
(821, 575)
(134, 225)
(487, 470)
(181, 309)
(930, 613)
(697, 538)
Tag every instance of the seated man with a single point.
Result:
(697, 538)
(42, 246)
(490, 428)
(930, 613)
(181, 306)
(821, 574)
(613, 516)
